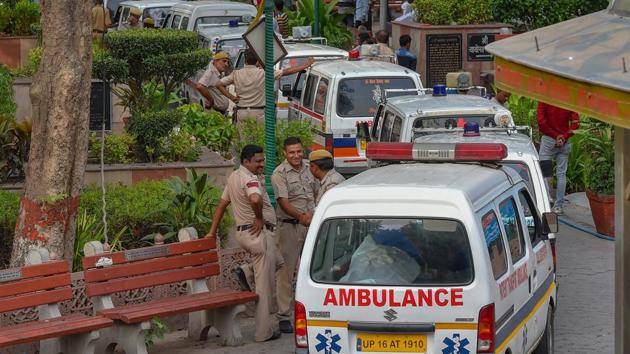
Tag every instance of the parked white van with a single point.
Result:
(193, 15)
(432, 254)
(155, 9)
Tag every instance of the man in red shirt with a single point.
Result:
(557, 126)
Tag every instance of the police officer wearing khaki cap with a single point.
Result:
(255, 225)
(208, 84)
(322, 167)
(249, 85)
(295, 189)
(133, 21)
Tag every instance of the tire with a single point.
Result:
(547, 343)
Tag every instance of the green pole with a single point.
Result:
(270, 103)
(316, 24)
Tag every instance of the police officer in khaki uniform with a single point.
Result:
(249, 85)
(255, 224)
(322, 168)
(208, 87)
(295, 189)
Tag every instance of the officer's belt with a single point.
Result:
(270, 227)
(290, 221)
(259, 107)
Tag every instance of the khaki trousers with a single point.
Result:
(290, 241)
(265, 261)
(258, 114)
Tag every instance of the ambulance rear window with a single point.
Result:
(378, 251)
(360, 97)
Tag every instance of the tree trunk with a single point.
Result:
(60, 95)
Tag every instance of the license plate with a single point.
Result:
(391, 343)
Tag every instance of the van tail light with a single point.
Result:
(301, 330)
(486, 330)
(553, 253)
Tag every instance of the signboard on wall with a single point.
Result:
(100, 105)
(477, 46)
(444, 55)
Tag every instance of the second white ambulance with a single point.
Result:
(435, 257)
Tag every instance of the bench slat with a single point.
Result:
(32, 300)
(150, 266)
(38, 270)
(56, 327)
(163, 250)
(182, 304)
(143, 281)
(31, 285)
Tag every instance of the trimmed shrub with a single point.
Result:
(5, 18)
(9, 207)
(25, 15)
(151, 128)
(118, 148)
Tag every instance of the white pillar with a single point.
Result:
(622, 234)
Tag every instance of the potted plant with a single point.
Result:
(598, 138)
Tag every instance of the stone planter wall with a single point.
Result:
(14, 50)
(441, 43)
(217, 168)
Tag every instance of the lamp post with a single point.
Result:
(316, 17)
(270, 102)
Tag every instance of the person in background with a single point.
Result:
(295, 190)
(406, 7)
(148, 23)
(404, 56)
(101, 21)
(322, 167)
(255, 225)
(249, 85)
(382, 38)
(208, 84)
(557, 126)
(133, 21)
(501, 98)
(281, 18)
(361, 12)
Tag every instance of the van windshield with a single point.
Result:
(231, 46)
(296, 61)
(215, 20)
(379, 251)
(449, 122)
(157, 14)
(361, 96)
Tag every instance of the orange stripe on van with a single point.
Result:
(346, 152)
(438, 326)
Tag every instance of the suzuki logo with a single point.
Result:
(390, 315)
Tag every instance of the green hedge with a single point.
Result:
(9, 207)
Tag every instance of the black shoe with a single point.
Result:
(285, 326)
(242, 279)
(276, 334)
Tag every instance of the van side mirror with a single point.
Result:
(286, 90)
(549, 223)
(546, 167)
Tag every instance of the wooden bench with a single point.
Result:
(194, 261)
(44, 285)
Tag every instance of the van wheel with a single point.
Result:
(547, 345)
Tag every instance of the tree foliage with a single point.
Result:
(331, 24)
(135, 57)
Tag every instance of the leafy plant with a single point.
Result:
(193, 205)
(162, 56)
(598, 141)
(447, 12)
(10, 203)
(576, 167)
(157, 330)
(331, 24)
(6, 13)
(90, 228)
(179, 145)
(15, 141)
(252, 132)
(526, 15)
(7, 104)
(211, 129)
(118, 148)
(150, 128)
(524, 112)
(25, 14)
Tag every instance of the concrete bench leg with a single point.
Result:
(199, 324)
(82, 343)
(228, 325)
(129, 336)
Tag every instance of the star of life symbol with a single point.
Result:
(484, 40)
(328, 342)
(455, 345)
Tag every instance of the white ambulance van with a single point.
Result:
(337, 95)
(436, 257)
